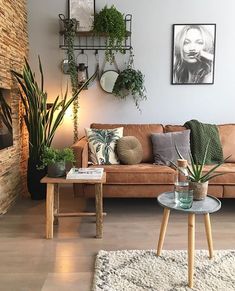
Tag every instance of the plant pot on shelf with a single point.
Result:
(56, 170)
(199, 190)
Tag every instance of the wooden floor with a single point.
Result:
(29, 262)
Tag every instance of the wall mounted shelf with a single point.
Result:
(88, 40)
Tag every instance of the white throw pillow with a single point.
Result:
(102, 145)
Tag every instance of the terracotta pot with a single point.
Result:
(199, 190)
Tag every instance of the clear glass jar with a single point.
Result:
(181, 179)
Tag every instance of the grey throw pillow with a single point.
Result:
(164, 146)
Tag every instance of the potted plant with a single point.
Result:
(130, 82)
(110, 21)
(198, 178)
(41, 123)
(55, 160)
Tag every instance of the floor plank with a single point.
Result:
(30, 262)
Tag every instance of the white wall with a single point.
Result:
(151, 40)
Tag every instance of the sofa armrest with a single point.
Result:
(80, 149)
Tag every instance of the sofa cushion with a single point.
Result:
(139, 174)
(229, 174)
(129, 150)
(141, 131)
(102, 145)
(229, 191)
(227, 137)
(164, 146)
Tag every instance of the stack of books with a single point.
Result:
(85, 173)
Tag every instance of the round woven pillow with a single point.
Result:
(129, 150)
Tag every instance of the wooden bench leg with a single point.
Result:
(191, 247)
(56, 203)
(208, 234)
(162, 234)
(49, 210)
(99, 210)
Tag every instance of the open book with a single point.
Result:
(85, 173)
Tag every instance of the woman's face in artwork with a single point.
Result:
(192, 46)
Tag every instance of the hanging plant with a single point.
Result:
(111, 22)
(130, 82)
(70, 27)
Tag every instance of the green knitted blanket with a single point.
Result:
(200, 134)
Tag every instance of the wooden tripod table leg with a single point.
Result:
(191, 247)
(99, 210)
(49, 210)
(208, 234)
(162, 234)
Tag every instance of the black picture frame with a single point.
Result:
(193, 54)
(84, 12)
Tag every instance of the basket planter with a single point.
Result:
(199, 190)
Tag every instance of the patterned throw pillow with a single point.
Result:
(102, 145)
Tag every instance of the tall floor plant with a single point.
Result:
(40, 121)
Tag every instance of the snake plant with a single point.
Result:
(40, 121)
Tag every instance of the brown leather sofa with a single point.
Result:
(149, 180)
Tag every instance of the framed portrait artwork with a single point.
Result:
(193, 54)
(83, 11)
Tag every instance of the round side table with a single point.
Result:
(209, 205)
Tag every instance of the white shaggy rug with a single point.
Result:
(137, 270)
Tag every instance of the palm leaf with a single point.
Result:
(204, 159)
(212, 176)
(214, 168)
(191, 159)
(196, 170)
(192, 163)
(41, 72)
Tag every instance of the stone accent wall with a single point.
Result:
(13, 49)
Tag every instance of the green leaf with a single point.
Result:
(196, 170)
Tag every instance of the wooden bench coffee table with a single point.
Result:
(209, 205)
(52, 202)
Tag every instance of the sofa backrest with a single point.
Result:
(227, 138)
(141, 131)
(173, 128)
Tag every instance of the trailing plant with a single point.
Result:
(195, 170)
(53, 156)
(130, 82)
(41, 122)
(110, 21)
(5, 113)
(70, 33)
